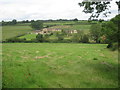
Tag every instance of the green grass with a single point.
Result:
(12, 31)
(29, 36)
(85, 28)
(57, 65)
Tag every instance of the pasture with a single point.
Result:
(84, 28)
(57, 65)
(29, 36)
(13, 31)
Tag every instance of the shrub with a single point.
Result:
(95, 31)
(15, 39)
(114, 46)
(75, 38)
(37, 25)
(85, 39)
(60, 38)
(39, 38)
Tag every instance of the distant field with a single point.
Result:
(12, 31)
(50, 65)
(29, 36)
(85, 28)
(59, 22)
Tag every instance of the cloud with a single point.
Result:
(44, 9)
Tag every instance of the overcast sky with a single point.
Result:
(45, 9)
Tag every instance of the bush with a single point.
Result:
(75, 38)
(95, 31)
(37, 25)
(114, 46)
(39, 38)
(85, 39)
(66, 41)
(15, 39)
(60, 38)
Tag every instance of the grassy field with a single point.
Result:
(12, 31)
(29, 36)
(86, 28)
(45, 65)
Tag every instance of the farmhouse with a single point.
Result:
(72, 31)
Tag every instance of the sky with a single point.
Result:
(45, 9)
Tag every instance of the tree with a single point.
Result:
(95, 32)
(32, 21)
(60, 38)
(78, 36)
(85, 39)
(39, 37)
(37, 25)
(75, 38)
(110, 30)
(97, 8)
(46, 37)
(14, 22)
(75, 19)
(101, 20)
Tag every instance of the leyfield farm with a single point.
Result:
(62, 54)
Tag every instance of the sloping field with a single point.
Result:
(85, 28)
(12, 31)
(50, 65)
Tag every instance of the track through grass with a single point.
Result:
(59, 65)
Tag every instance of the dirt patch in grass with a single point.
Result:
(40, 57)
(102, 55)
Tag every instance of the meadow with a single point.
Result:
(56, 65)
(59, 65)
(13, 31)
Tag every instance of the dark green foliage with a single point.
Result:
(15, 39)
(95, 59)
(60, 38)
(85, 39)
(26, 21)
(111, 31)
(115, 46)
(95, 8)
(75, 38)
(13, 22)
(118, 3)
(75, 19)
(46, 38)
(39, 38)
(101, 20)
(37, 25)
(78, 37)
(95, 32)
